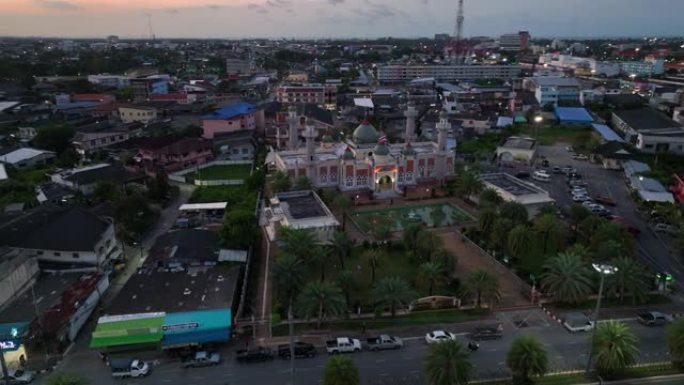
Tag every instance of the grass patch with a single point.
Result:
(651, 299)
(434, 215)
(231, 194)
(33, 176)
(412, 319)
(218, 172)
(548, 135)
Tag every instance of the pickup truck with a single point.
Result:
(604, 200)
(129, 367)
(301, 349)
(259, 354)
(487, 332)
(201, 359)
(653, 318)
(384, 342)
(343, 345)
(18, 377)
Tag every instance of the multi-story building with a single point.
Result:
(171, 154)
(514, 41)
(555, 90)
(401, 73)
(86, 142)
(144, 87)
(236, 117)
(307, 93)
(133, 113)
(649, 67)
(649, 130)
(109, 81)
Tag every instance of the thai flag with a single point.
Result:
(383, 140)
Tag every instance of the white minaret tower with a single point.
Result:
(443, 128)
(293, 128)
(411, 113)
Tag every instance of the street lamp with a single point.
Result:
(603, 270)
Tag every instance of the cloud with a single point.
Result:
(335, 2)
(262, 11)
(61, 5)
(376, 11)
(278, 3)
(214, 6)
(172, 11)
(252, 6)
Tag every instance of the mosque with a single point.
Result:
(367, 161)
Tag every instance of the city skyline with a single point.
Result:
(334, 18)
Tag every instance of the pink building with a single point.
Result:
(237, 117)
(173, 154)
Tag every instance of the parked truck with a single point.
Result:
(384, 342)
(343, 345)
(129, 367)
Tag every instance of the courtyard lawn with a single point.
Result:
(218, 172)
(432, 215)
(234, 194)
(548, 135)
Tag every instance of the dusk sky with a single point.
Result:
(337, 18)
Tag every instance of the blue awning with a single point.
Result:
(196, 327)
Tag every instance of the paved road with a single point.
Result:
(566, 351)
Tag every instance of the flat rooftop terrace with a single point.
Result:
(302, 206)
(510, 184)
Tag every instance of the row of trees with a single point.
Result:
(615, 348)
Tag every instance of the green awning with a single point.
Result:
(130, 329)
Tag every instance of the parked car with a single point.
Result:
(203, 358)
(604, 200)
(129, 367)
(301, 349)
(569, 149)
(439, 336)
(665, 228)
(258, 354)
(522, 174)
(577, 322)
(581, 198)
(653, 318)
(576, 190)
(588, 204)
(556, 170)
(18, 376)
(582, 157)
(343, 345)
(568, 170)
(384, 342)
(487, 332)
(575, 182)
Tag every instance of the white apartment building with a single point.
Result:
(105, 80)
(307, 93)
(400, 73)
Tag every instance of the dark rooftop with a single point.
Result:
(518, 142)
(646, 119)
(303, 206)
(197, 288)
(184, 246)
(112, 173)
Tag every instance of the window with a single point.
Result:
(57, 254)
(75, 255)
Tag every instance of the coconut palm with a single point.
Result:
(299, 242)
(567, 277)
(346, 280)
(486, 220)
(483, 286)
(373, 258)
(549, 233)
(342, 203)
(615, 347)
(621, 240)
(675, 341)
(513, 211)
(281, 182)
(499, 233)
(447, 363)
(341, 246)
(519, 240)
(288, 278)
(489, 198)
(321, 299)
(392, 292)
(432, 272)
(631, 277)
(411, 237)
(340, 370)
(527, 358)
(468, 184)
(588, 227)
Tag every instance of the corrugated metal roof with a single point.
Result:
(575, 114)
(607, 133)
(232, 111)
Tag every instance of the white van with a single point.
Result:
(541, 176)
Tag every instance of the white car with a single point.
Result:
(588, 204)
(581, 198)
(577, 190)
(439, 336)
(577, 322)
(582, 157)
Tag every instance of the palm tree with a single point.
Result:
(433, 272)
(514, 211)
(447, 363)
(615, 347)
(341, 246)
(288, 278)
(346, 280)
(527, 358)
(468, 184)
(499, 233)
(483, 286)
(489, 198)
(428, 245)
(281, 182)
(567, 277)
(322, 299)
(392, 292)
(519, 240)
(340, 370)
(548, 233)
(487, 219)
(373, 258)
(588, 227)
(298, 242)
(631, 277)
(342, 203)
(675, 341)
(322, 257)
(411, 237)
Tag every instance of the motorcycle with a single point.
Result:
(473, 346)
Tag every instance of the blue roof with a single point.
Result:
(606, 133)
(575, 114)
(194, 327)
(230, 112)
